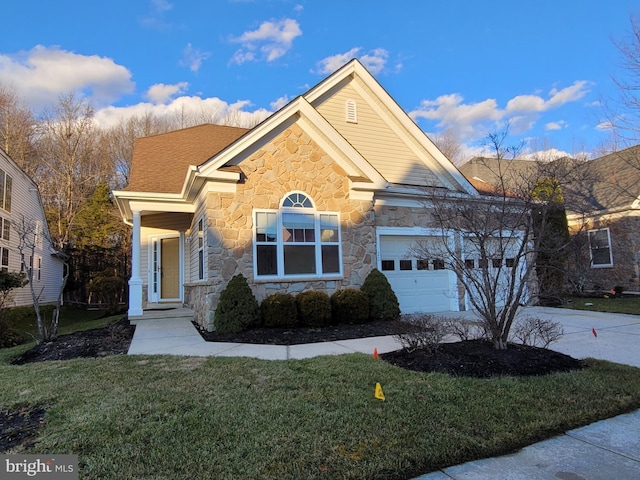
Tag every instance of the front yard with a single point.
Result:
(202, 418)
(627, 304)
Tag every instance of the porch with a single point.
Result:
(162, 311)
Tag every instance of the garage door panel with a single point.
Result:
(428, 289)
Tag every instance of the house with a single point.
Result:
(22, 215)
(603, 213)
(327, 188)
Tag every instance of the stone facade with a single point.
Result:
(625, 248)
(289, 162)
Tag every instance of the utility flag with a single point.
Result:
(593, 330)
(379, 394)
(375, 354)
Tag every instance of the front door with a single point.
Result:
(165, 269)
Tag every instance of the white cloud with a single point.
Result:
(43, 73)
(193, 58)
(279, 103)
(272, 40)
(161, 93)
(194, 109)
(374, 61)
(155, 17)
(471, 121)
(559, 125)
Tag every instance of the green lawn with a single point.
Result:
(612, 305)
(234, 418)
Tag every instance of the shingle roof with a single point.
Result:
(160, 162)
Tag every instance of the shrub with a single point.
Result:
(383, 303)
(422, 331)
(237, 308)
(314, 308)
(279, 310)
(536, 332)
(109, 289)
(349, 306)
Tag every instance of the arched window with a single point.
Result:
(296, 240)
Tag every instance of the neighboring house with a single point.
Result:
(327, 188)
(603, 207)
(21, 205)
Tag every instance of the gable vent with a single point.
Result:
(351, 111)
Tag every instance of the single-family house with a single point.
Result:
(324, 190)
(23, 221)
(603, 209)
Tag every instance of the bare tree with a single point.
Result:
(492, 243)
(72, 164)
(30, 239)
(16, 130)
(449, 144)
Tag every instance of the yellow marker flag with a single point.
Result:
(379, 395)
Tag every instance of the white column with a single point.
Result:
(135, 282)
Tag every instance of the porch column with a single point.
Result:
(135, 282)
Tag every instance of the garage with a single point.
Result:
(421, 285)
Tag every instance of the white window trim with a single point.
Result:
(280, 244)
(600, 265)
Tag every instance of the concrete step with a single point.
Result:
(162, 311)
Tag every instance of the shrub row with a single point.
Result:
(238, 308)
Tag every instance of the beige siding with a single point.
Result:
(26, 204)
(375, 140)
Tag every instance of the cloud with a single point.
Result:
(193, 110)
(374, 61)
(43, 73)
(155, 18)
(193, 58)
(161, 93)
(269, 42)
(471, 121)
(559, 125)
(279, 103)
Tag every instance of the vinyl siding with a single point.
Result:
(26, 203)
(375, 140)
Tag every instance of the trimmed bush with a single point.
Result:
(237, 308)
(349, 306)
(383, 303)
(279, 310)
(314, 308)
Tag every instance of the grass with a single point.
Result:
(630, 305)
(167, 417)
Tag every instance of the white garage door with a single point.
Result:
(420, 285)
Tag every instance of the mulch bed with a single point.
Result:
(20, 426)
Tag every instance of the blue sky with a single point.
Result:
(465, 65)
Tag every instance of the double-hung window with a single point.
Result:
(600, 247)
(296, 240)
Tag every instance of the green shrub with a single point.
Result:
(349, 306)
(237, 308)
(109, 289)
(383, 303)
(279, 310)
(314, 308)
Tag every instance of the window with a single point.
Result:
(296, 240)
(496, 262)
(438, 264)
(351, 111)
(600, 246)
(405, 265)
(5, 229)
(4, 259)
(470, 263)
(510, 262)
(5, 191)
(388, 265)
(422, 264)
(201, 249)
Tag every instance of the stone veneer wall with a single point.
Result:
(625, 247)
(289, 162)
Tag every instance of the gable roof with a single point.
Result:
(160, 162)
(611, 182)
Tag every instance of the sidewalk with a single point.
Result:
(609, 449)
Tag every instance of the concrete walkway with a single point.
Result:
(605, 450)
